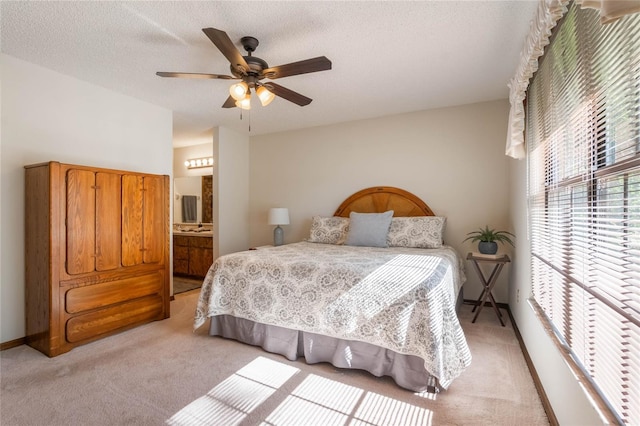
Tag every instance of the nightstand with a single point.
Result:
(488, 282)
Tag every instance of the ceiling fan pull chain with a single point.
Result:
(249, 118)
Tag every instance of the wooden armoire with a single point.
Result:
(97, 253)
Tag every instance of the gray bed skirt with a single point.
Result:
(406, 370)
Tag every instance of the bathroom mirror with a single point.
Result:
(193, 199)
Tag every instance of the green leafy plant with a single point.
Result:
(490, 235)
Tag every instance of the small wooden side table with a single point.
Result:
(487, 282)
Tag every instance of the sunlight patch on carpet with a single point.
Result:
(238, 395)
(321, 401)
(381, 410)
(316, 400)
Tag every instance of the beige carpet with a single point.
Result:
(163, 373)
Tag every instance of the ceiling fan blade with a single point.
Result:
(321, 63)
(195, 75)
(229, 103)
(287, 94)
(225, 45)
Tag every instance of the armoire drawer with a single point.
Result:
(109, 319)
(99, 295)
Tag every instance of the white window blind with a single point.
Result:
(583, 145)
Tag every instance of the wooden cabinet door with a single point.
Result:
(180, 255)
(108, 211)
(143, 219)
(200, 260)
(81, 221)
(153, 221)
(132, 203)
(93, 221)
(200, 256)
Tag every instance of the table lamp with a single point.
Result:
(278, 216)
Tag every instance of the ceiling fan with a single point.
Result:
(251, 70)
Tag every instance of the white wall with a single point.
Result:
(49, 116)
(569, 402)
(231, 184)
(452, 158)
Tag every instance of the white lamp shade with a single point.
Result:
(279, 216)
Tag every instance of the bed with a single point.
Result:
(389, 307)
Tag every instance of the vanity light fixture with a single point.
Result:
(197, 163)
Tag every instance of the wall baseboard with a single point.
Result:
(12, 344)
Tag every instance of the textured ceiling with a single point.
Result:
(388, 57)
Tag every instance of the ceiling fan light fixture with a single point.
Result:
(244, 103)
(238, 91)
(265, 95)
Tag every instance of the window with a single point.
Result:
(583, 143)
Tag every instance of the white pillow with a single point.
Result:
(416, 232)
(369, 229)
(329, 230)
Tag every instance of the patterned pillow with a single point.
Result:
(329, 230)
(417, 232)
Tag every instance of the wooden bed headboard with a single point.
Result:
(380, 199)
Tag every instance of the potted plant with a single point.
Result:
(489, 239)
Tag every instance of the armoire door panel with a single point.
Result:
(132, 205)
(81, 221)
(153, 219)
(108, 223)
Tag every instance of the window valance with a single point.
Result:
(546, 17)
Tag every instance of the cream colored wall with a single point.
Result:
(231, 184)
(49, 116)
(452, 158)
(569, 402)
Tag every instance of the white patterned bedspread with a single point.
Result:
(401, 299)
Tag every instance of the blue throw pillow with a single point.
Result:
(369, 229)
